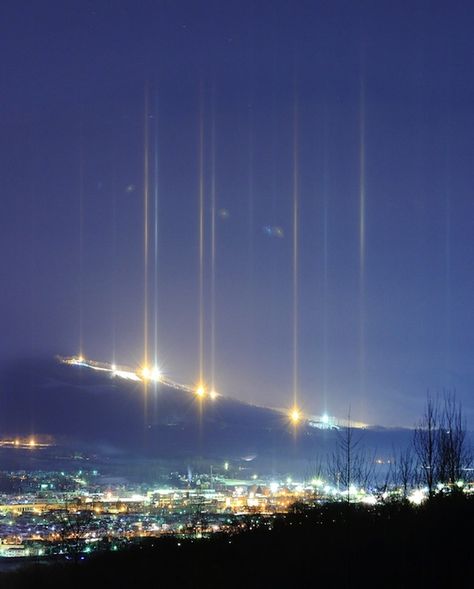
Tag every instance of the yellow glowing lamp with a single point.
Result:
(295, 416)
(153, 374)
(200, 391)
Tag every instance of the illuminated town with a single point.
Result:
(64, 513)
(58, 513)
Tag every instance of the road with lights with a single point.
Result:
(153, 374)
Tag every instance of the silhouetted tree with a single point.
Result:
(441, 444)
(454, 454)
(350, 464)
(383, 482)
(425, 443)
(315, 469)
(404, 471)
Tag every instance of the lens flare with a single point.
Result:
(295, 416)
(155, 374)
(151, 374)
(200, 391)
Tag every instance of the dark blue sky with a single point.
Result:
(73, 78)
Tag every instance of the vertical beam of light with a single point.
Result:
(81, 248)
(250, 202)
(32, 259)
(145, 229)
(362, 246)
(295, 254)
(145, 248)
(155, 240)
(275, 283)
(448, 282)
(275, 152)
(447, 253)
(114, 270)
(32, 288)
(249, 301)
(325, 265)
(201, 237)
(213, 244)
(362, 194)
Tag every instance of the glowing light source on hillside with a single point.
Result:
(153, 373)
(200, 391)
(295, 416)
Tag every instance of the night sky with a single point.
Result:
(363, 110)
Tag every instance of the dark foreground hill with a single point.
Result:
(81, 406)
(335, 545)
